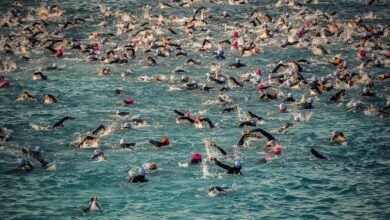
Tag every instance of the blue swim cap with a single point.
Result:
(37, 149)
(225, 186)
(237, 163)
(141, 171)
(21, 161)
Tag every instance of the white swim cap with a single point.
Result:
(310, 100)
(122, 141)
(289, 95)
(282, 106)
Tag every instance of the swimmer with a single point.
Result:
(39, 76)
(93, 206)
(308, 104)
(139, 178)
(193, 85)
(198, 122)
(336, 97)
(338, 136)
(127, 125)
(126, 102)
(121, 113)
(289, 98)
(23, 165)
(196, 158)
(99, 130)
(237, 64)
(59, 124)
(36, 154)
(25, 96)
(236, 169)
(250, 122)
(98, 155)
(89, 142)
(164, 142)
(49, 99)
(367, 92)
(123, 144)
(4, 83)
(215, 190)
(282, 108)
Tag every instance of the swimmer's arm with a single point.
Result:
(224, 166)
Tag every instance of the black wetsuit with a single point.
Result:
(195, 161)
(289, 100)
(216, 188)
(229, 169)
(138, 179)
(307, 106)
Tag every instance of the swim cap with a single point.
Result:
(260, 86)
(130, 101)
(21, 161)
(141, 171)
(196, 156)
(237, 60)
(289, 95)
(282, 107)
(307, 24)
(310, 100)
(165, 140)
(122, 141)
(97, 152)
(365, 90)
(187, 114)
(267, 156)
(4, 83)
(258, 71)
(225, 186)
(362, 53)
(235, 34)
(237, 163)
(345, 64)
(37, 149)
(235, 43)
(277, 150)
(185, 78)
(152, 166)
(127, 125)
(117, 112)
(129, 71)
(284, 42)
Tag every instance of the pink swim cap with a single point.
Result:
(299, 33)
(187, 114)
(197, 119)
(197, 156)
(4, 83)
(258, 71)
(267, 156)
(307, 24)
(388, 54)
(130, 101)
(235, 43)
(235, 34)
(260, 86)
(277, 150)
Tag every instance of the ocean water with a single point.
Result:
(353, 184)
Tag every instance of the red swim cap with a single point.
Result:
(59, 52)
(258, 71)
(307, 24)
(235, 34)
(130, 101)
(235, 43)
(152, 166)
(362, 53)
(4, 83)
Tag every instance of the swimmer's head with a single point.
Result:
(365, 90)
(282, 107)
(235, 43)
(197, 119)
(127, 125)
(260, 86)
(21, 162)
(122, 141)
(258, 71)
(277, 150)
(97, 152)
(129, 101)
(185, 78)
(271, 143)
(235, 34)
(225, 186)
(237, 60)
(141, 171)
(165, 140)
(187, 114)
(237, 163)
(37, 149)
(289, 95)
(196, 156)
(362, 53)
(152, 166)
(310, 100)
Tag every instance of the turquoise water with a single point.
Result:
(295, 185)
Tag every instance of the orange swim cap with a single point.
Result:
(152, 166)
(165, 140)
